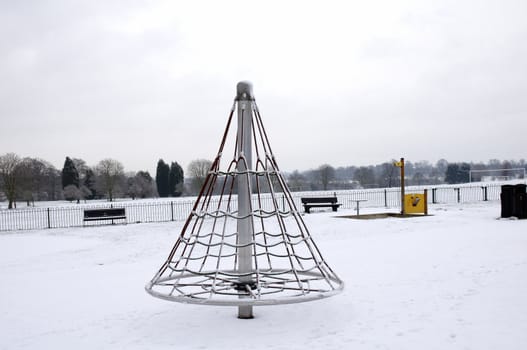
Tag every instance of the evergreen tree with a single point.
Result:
(451, 173)
(89, 183)
(175, 180)
(70, 175)
(457, 173)
(162, 178)
(464, 173)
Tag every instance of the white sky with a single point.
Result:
(338, 82)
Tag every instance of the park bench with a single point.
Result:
(319, 202)
(104, 214)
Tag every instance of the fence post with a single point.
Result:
(434, 195)
(385, 198)
(49, 220)
(426, 201)
(172, 210)
(458, 194)
(485, 197)
(283, 202)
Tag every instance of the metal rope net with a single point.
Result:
(245, 242)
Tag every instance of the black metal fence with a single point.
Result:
(178, 210)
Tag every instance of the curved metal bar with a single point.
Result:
(192, 298)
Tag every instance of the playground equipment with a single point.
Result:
(416, 203)
(412, 203)
(400, 165)
(238, 247)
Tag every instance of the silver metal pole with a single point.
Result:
(245, 228)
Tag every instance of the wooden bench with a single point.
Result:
(104, 214)
(320, 202)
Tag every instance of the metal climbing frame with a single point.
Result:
(235, 248)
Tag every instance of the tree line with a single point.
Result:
(32, 179)
(327, 177)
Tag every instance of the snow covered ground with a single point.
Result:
(453, 280)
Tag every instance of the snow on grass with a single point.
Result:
(454, 280)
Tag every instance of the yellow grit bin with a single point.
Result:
(415, 203)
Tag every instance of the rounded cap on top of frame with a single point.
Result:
(244, 91)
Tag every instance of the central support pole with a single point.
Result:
(245, 98)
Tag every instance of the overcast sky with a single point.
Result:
(338, 82)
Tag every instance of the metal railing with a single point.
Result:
(179, 209)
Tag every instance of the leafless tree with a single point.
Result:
(9, 172)
(389, 174)
(53, 183)
(326, 173)
(81, 166)
(27, 180)
(35, 178)
(198, 170)
(418, 179)
(365, 176)
(297, 182)
(110, 175)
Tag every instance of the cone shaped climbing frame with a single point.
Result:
(245, 242)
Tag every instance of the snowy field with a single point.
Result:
(453, 280)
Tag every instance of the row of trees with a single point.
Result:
(106, 179)
(31, 179)
(326, 177)
(28, 179)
